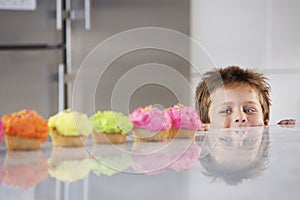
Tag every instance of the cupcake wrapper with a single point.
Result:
(59, 140)
(143, 135)
(115, 138)
(19, 143)
(181, 133)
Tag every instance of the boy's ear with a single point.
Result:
(266, 122)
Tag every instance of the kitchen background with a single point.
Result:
(43, 43)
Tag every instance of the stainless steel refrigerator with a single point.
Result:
(42, 49)
(34, 43)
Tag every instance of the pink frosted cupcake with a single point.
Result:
(186, 159)
(1, 131)
(150, 124)
(150, 158)
(185, 121)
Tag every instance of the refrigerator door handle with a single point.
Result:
(61, 86)
(87, 14)
(58, 14)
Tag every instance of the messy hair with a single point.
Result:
(231, 77)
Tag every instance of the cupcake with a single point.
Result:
(185, 121)
(110, 127)
(1, 174)
(69, 164)
(150, 158)
(109, 159)
(69, 128)
(1, 131)
(24, 169)
(150, 124)
(24, 130)
(185, 159)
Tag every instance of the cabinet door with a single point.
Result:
(112, 17)
(28, 79)
(19, 27)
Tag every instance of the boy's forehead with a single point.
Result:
(237, 85)
(241, 91)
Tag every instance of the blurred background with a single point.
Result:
(259, 34)
(44, 43)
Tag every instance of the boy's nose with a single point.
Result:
(240, 120)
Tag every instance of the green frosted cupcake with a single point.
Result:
(110, 127)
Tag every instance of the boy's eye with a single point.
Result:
(249, 141)
(225, 140)
(225, 111)
(248, 110)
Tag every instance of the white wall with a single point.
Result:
(260, 34)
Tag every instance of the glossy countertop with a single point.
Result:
(246, 163)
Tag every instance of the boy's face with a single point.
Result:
(237, 149)
(235, 107)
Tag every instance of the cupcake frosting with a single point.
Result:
(150, 118)
(110, 164)
(70, 170)
(26, 123)
(1, 130)
(184, 117)
(187, 159)
(1, 174)
(24, 169)
(70, 123)
(111, 122)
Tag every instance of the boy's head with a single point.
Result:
(233, 155)
(233, 97)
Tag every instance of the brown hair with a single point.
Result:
(229, 77)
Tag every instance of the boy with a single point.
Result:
(234, 97)
(233, 157)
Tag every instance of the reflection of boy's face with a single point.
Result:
(239, 148)
(235, 107)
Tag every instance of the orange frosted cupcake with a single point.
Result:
(24, 130)
(150, 124)
(185, 121)
(25, 169)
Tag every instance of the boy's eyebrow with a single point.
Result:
(251, 102)
(225, 104)
(231, 103)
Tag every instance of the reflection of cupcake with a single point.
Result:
(69, 164)
(69, 128)
(185, 159)
(109, 159)
(24, 169)
(185, 121)
(150, 158)
(1, 174)
(110, 127)
(24, 130)
(150, 124)
(1, 131)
